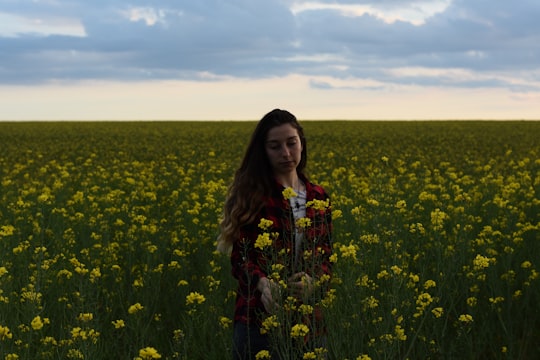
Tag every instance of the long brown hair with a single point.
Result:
(253, 179)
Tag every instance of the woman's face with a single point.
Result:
(283, 148)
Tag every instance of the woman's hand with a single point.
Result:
(269, 291)
(300, 286)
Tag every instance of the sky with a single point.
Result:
(239, 59)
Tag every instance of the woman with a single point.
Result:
(268, 196)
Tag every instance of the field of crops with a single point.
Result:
(107, 239)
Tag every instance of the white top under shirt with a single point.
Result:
(298, 205)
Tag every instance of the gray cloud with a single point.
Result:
(252, 39)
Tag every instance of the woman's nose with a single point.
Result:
(285, 151)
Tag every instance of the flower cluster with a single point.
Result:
(107, 238)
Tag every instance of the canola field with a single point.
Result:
(108, 229)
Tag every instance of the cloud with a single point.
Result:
(13, 26)
(414, 12)
(454, 43)
(458, 77)
(150, 16)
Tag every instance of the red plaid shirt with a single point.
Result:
(249, 263)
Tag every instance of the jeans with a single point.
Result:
(248, 341)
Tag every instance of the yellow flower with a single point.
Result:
(424, 299)
(85, 317)
(383, 274)
(424, 196)
(7, 230)
(299, 330)
(195, 297)
(303, 222)
(95, 274)
(263, 240)
(85, 334)
(496, 300)
(277, 267)
(265, 224)
(472, 301)
(38, 323)
(118, 324)
(289, 193)
(75, 354)
(422, 302)
(324, 278)
(417, 228)
(481, 262)
(135, 308)
(400, 333)
(45, 197)
(5, 333)
(401, 204)
(465, 318)
(305, 309)
(178, 335)
(320, 352)
(437, 219)
(348, 251)
(269, 323)
(149, 353)
(78, 332)
(363, 357)
(373, 202)
(396, 269)
(437, 312)
(320, 205)
(49, 340)
(371, 302)
(262, 355)
(225, 322)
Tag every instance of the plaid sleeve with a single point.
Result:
(246, 262)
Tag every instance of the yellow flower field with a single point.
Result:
(107, 239)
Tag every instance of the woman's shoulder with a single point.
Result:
(316, 190)
(320, 191)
